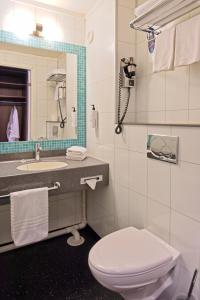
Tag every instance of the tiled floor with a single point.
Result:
(51, 270)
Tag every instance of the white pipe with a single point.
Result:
(72, 229)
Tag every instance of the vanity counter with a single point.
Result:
(69, 177)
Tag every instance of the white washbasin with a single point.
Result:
(42, 166)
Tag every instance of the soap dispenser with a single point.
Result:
(93, 117)
(74, 117)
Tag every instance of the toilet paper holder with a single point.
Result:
(97, 177)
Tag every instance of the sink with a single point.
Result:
(42, 166)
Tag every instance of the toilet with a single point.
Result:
(136, 264)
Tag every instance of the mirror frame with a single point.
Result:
(80, 51)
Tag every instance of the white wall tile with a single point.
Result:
(156, 92)
(137, 210)
(176, 116)
(162, 130)
(194, 116)
(127, 3)
(189, 144)
(159, 181)
(185, 238)
(185, 189)
(194, 102)
(158, 220)
(125, 50)
(122, 140)
(138, 172)
(137, 138)
(106, 128)
(177, 89)
(122, 207)
(125, 33)
(122, 167)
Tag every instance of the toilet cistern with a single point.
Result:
(38, 148)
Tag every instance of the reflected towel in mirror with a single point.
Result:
(13, 126)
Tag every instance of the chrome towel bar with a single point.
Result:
(54, 187)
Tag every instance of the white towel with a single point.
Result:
(59, 91)
(76, 150)
(146, 6)
(163, 58)
(164, 9)
(76, 157)
(187, 48)
(29, 216)
(13, 126)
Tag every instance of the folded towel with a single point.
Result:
(164, 8)
(13, 126)
(29, 216)
(164, 51)
(76, 157)
(187, 48)
(77, 150)
(146, 6)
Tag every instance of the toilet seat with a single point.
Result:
(129, 252)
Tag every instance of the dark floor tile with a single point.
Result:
(51, 270)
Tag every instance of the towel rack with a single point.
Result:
(54, 187)
(151, 23)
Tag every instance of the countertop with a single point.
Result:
(69, 177)
(9, 168)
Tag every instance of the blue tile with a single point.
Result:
(80, 51)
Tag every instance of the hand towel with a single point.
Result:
(77, 150)
(59, 91)
(163, 58)
(76, 157)
(29, 216)
(187, 48)
(13, 126)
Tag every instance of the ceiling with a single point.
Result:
(79, 6)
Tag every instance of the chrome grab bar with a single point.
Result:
(54, 187)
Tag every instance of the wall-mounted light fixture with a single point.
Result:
(38, 30)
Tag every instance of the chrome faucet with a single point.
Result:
(38, 148)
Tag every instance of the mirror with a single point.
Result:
(38, 94)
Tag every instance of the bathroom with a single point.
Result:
(143, 193)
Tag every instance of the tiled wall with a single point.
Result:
(101, 92)
(143, 193)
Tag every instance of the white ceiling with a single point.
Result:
(79, 6)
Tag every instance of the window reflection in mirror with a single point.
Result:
(38, 93)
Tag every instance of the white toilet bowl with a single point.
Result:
(134, 263)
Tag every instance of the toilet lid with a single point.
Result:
(129, 251)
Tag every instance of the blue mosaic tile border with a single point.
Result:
(80, 51)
